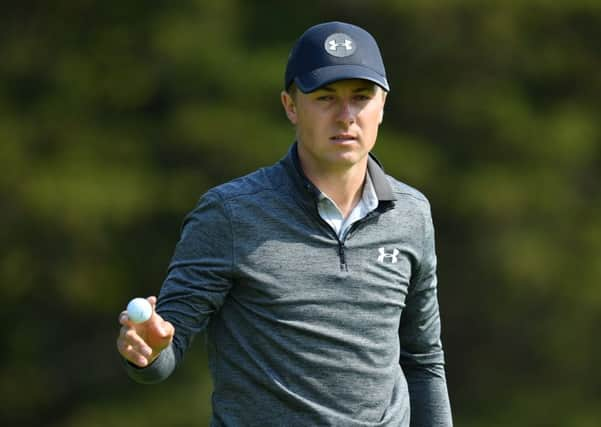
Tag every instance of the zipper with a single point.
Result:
(354, 226)
(341, 247)
(341, 254)
(343, 266)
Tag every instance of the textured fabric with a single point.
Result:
(304, 328)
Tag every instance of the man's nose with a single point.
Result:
(346, 112)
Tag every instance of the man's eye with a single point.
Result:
(325, 98)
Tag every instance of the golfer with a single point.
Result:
(314, 278)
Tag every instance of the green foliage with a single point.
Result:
(114, 119)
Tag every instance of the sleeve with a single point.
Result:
(198, 280)
(421, 355)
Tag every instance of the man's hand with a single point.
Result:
(141, 343)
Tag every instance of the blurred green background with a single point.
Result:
(116, 116)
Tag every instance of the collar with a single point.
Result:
(381, 185)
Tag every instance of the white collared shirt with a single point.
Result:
(331, 213)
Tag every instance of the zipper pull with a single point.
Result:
(343, 266)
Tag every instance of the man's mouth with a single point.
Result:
(342, 137)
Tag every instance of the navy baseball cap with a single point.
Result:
(334, 51)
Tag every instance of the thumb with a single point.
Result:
(153, 301)
(157, 326)
(155, 320)
(165, 330)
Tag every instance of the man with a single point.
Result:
(314, 278)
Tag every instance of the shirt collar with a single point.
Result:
(378, 178)
(368, 197)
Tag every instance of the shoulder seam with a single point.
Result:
(226, 197)
(422, 198)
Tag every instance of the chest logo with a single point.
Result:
(391, 257)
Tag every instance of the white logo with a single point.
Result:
(393, 257)
(340, 45)
(333, 44)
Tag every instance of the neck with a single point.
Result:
(343, 186)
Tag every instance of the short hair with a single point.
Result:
(292, 90)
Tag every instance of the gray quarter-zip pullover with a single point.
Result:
(305, 328)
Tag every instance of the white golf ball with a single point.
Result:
(139, 310)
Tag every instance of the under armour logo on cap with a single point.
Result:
(340, 45)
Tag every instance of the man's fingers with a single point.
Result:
(141, 343)
(124, 318)
(145, 338)
(133, 347)
(130, 353)
(132, 338)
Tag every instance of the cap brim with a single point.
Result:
(319, 77)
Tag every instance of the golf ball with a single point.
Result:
(139, 310)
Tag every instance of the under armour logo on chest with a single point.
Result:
(391, 257)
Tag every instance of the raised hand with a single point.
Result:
(141, 343)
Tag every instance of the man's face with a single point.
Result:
(336, 125)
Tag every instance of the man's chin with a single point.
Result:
(347, 159)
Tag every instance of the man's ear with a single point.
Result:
(289, 106)
(381, 115)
